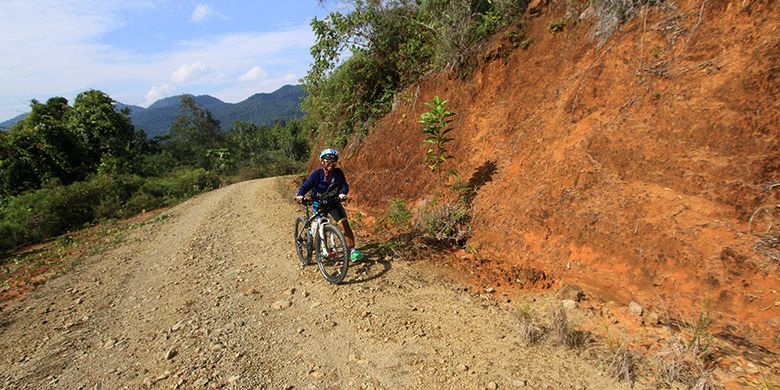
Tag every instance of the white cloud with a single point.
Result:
(61, 48)
(201, 12)
(253, 74)
(189, 72)
(157, 92)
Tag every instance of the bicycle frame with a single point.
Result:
(324, 239)
(319, 219)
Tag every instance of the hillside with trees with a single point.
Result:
(263, 109)
(67, 166)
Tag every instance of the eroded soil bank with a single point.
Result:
(644, 169)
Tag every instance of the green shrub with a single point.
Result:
(398, 214)
(48, 212)
(140, 202)
(446, 223)
(157, 164)
(38, 215)
(436, 126)
(557, 25)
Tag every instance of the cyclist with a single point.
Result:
(325, 179)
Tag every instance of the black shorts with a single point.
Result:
(337, 212)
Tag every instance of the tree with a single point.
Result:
(389, 49)
(108, 135)
(193, 133)
(41, 149)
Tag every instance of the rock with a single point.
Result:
(316, 374)
(178, 325)
(170, 354)
(635, 309)
(569, 304)
(519, 382)
(462, 367)
(281, 305)
(491, 386)
(490, 290)
(290, 291)
(571, 292)
(233, 379)
(201, 382)
(216, 347)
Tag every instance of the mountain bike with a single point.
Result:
(315, 234)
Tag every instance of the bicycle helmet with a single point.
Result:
(329, 154)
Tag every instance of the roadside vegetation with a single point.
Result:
(363, 58)
(66, 167)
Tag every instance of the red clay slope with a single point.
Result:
(631, 169)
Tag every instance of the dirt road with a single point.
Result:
(213, 297)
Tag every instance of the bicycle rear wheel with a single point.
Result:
(332, 255)
(302, 241)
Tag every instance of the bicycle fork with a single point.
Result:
(320, 229)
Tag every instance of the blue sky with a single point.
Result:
(139, 51)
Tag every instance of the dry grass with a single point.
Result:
(610, 14)
(562, 330)
(684, 363)
(622, 364)
(533, 331)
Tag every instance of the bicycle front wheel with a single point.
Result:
(302, 241)
(332, 254)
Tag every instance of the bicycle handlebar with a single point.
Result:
(306, 201)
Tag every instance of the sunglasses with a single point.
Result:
(330, 163)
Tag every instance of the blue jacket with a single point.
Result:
(318, 185)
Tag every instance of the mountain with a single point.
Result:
(133, 109)
(260, 108)
(7, 124)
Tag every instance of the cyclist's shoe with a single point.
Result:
(355, 255)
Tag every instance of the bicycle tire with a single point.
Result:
(335, 264)
(303, 247)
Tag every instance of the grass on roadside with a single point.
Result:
(33, 265)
